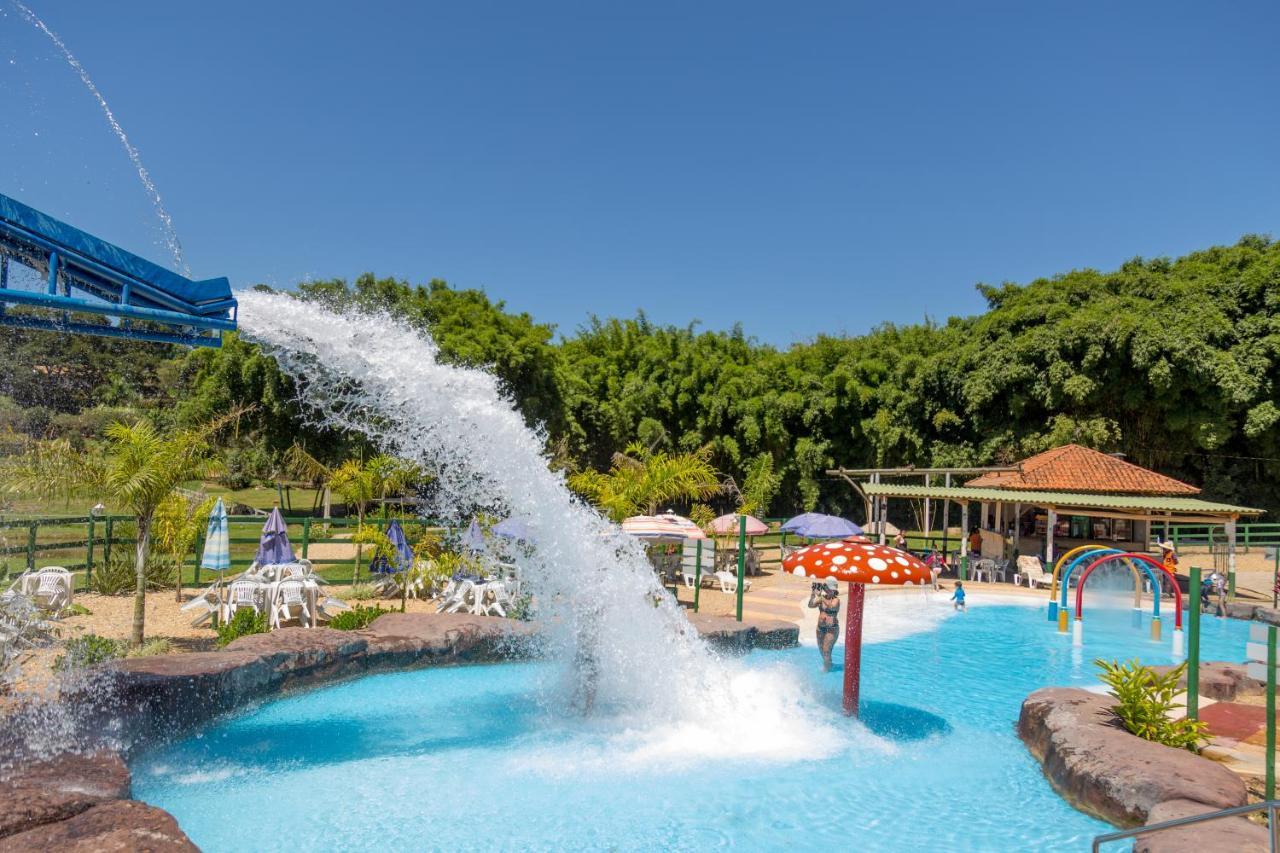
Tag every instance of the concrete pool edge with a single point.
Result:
(80, 799)
(1103, 770)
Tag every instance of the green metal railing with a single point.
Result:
(81, 543)
(1248, 535)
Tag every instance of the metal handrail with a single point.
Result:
(1270, 806)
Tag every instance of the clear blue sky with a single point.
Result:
(798, 167)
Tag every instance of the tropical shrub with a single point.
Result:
(363, 592)
(1144, 700)
(152, 647)
(116, 576)
(356, 618)
(244, 623)
(89, 650)
(522, 609)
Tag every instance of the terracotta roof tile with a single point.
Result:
(1072, 468)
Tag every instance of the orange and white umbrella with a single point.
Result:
(667, 527)
(859, 563)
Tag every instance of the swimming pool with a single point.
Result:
(468, 758)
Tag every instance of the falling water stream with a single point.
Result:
(598, 597)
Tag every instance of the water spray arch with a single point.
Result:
(1126, 558)
(1142, 559)
(1067, 563)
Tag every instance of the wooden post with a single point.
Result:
(1017, 526)
(88, 556)
(946, 519)
(742, 559)
(106, 542)
(962, 571)
(1048, 536)
(928, 516)
(1271, 714)
(306, 535)
(32, 532)
(697, 574)
(1231, 559)
(1193, 643)
(853, 649)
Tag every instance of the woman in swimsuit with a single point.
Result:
(826, 598)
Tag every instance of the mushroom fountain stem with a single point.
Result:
(853, 648)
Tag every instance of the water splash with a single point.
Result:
(599, 601)
(166, 222)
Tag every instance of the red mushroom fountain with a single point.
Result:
(859, 564)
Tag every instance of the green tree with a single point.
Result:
(641, 480)
(138, 468)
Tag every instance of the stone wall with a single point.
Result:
(1102, 769)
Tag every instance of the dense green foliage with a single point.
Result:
(356, 618)
(1172, 362)
(244, 622)
(89, 650)
(1144, 701)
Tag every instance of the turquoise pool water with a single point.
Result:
(468, 758)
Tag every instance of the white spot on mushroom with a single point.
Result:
(878, 564)
(839, 560)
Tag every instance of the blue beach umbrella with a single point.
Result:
(274, 547)
(826, 527)
(217, 541)
(473, 539)
(402, 559)
(791, 524)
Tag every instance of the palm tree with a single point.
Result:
(139, 467)
(640, 480)
(357, 482)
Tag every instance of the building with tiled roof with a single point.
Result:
(1050, 503)
(1072, 468)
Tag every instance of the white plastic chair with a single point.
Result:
(243, 594)
(290, 598)
(53, 589)
(729, 582)
(1030, 567)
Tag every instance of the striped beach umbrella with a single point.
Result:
(217, 541)
(667, 527)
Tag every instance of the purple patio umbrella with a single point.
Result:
(515, 527)
(274, 547)
(819, 526)
(402, 560)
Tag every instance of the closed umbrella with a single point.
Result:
(217, 541)
(473, 539)
(859, 564)
(730, 524)
(402, 556)
(274, 547)
(819, 526)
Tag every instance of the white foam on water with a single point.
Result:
(600, 605)
(776, 719)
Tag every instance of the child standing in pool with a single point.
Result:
(958, 596)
